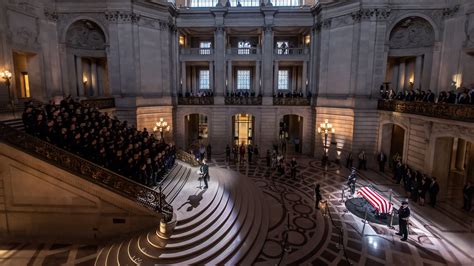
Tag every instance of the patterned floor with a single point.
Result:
(310, 237)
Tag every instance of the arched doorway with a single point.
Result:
(86, 43)
(453, 166)
(393, 140)
(291, 131)
(196, 130)
(243, 126)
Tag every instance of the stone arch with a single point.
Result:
(412, 32)
(192, 127)
(85, 34)
(418, 16)
(96, 23)
(382, 146)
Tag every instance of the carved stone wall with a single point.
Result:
(85, 34)
(412, 32)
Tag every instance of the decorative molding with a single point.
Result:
(450, 11)
(51, 15)
(84, 34)
(23, 36)
(268, 28)
(122, 17)
(371, 14)
(412, 32)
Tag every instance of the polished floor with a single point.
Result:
(440, 236)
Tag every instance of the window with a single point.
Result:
(205, 48)
(282, 47)
(243, 79)
(203, 3)
(283, 79)
(203, 79)
(235, 3)
(244, 47)
(286, 2)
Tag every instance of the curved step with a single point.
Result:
(103, 255)
(171, 177)
(180, 183)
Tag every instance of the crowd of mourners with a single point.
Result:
(461, 95)
(294, 94)
(199, 94)
(101, 139)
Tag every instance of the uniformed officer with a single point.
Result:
(205, 172)
(403, 216)
(351, 180)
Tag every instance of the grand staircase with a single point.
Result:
(224, 224)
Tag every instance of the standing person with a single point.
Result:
(250, 152)
(403, 217)
(317, 195)
(227, 153)
(235, 151)
(242, 152)
(205, 172)
(297, 145)
(209, 151)
(349, 160)
(433, 192)
(256, 152)
(382, 159)
(362, 160)
(351, 180)
(283, 146)
(293, 165)
(468, 191)
(268, 158)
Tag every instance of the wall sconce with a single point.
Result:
(84, 80)
(7, 76)
(307, 39)
(181, 40)
(411, 81)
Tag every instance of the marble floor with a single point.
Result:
(298, 233)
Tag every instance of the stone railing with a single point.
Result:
(187, 157)
(101, 103)
(197, 51)
(89, 171)
(301, 101)
(459, 112)
(255, 100)
(196, 100)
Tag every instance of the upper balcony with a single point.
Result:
(252, 53)
(460, 112)
(196, 54)
(291, 54)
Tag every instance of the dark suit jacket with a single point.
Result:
(205, 171)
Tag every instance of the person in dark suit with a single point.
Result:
(349, 160)
(433, 192)
(317, 195)
(382, 159)
(205, 172)
(468, 192)
(403, 217)
(293, 166)
(351, 180)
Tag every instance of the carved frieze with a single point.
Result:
(85, 34)
(122, 17)
(51, 15)
(412, 32)
(24, 36)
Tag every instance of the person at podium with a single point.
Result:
(205, 172)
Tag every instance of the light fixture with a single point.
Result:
(7, 75)
(84, 80)
(161, 126)
(307, 39)
(325, 128)
(181, 40)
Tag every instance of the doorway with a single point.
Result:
(291, 131)
(393, 140)
(243, 129)
(196, 129)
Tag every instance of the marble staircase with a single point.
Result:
(225, 224)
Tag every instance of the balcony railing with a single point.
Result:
(255, 100)
(459, 112)
(300, 101)
(191, 100)
(291, 51)
(243, 51)
(101, 103)
(197, 51)
(87, 170)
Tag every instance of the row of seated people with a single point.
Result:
(101, 139)
(460, 96)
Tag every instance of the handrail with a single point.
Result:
(197, 51)
(291, 51)
(252, 100)
(243, 51)
(458, 112)
(187, 157)
(87, 170)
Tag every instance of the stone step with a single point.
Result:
(103, 255)
(169, 177)
(180, 181)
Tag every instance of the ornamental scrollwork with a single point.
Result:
(412, 32)
(122, 17)
(85, 34)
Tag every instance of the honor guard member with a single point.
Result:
(205, 172)
(351, 180)
(403, 216)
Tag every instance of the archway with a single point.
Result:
(291, 131)
(243, 126)
(196, 130)
(410, 54)
(453, 166)
(393, 140)
(86, 43)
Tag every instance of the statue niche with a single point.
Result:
(85, 34)
(412, 32)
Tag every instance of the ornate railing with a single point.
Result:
(187, 158)
(291, 101)
(459, 112)
(229, 100)
(87, 170)
(243, 51)
(291, 51)
(101, 103)
(191, 100)
(197, 51)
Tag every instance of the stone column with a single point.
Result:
(230, 87)
(294, 79)
(184, 86)
(219, 59)
(461, 154)
(211, 75)
(93, 87)
(418, 69)
(257, 78)
(275, 77)
(394, 81)
(79, 76)
(267, 55)
(100, 80)
(304, 76)
(401, 75)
